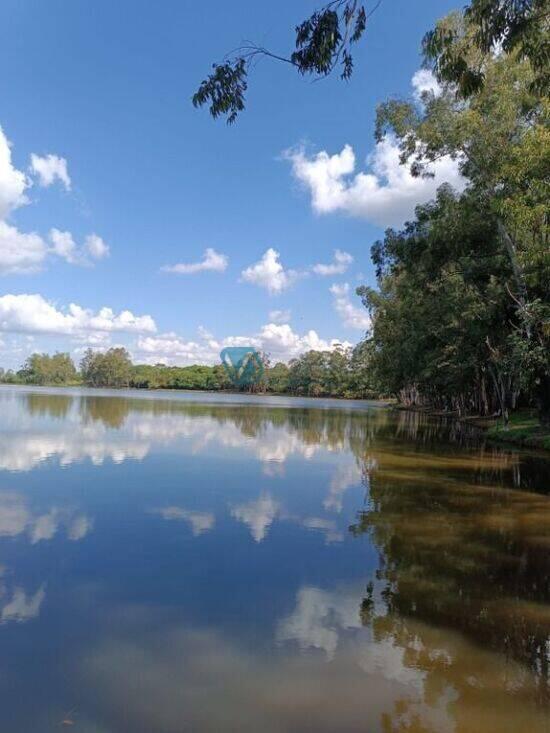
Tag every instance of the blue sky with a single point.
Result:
(105, 88)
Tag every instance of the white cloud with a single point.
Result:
(283, 343)
(386, 196)
(64, 246)
(257, 515)
(20, 253)
(12, 182)
(278, 340)
(24, 253)
(211, 261)
(269, 273)
(50, 168)
(280, 316)
(352, 316)
(342, 260)
(33, 314)
(96, 247)
(424, 81)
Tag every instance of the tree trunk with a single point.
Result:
(512, 256)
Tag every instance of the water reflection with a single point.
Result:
(466, 556)
(255, 567)
(20, 606)
(16, 518)
(199, 522)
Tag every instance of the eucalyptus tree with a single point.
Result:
(324, 43)
(499, 137)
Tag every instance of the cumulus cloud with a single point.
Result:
(34, 314)
(386, 196)
(423, 82)
(12, 181)
(352, 316)
(20, 253)
(269, 273)
(276, 339)
(280, 316)
(50, 168)
(24, 253)
(64, 246)
(211, 261)
(96, 247)
(342, 260)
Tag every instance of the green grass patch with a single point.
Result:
(523, 428)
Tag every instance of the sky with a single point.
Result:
(127, 217)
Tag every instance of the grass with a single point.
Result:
(523, 428)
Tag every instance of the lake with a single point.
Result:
(194, 562)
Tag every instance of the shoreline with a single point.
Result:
(269, 399)
(523, 430)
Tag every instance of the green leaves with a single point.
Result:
(224, 89)
(322, 42)
(458, 48)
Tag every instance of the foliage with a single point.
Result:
(45, 369)
(457, 52)
(322, 42)
(482, 306)
(110, 369)
(338, 373)
(511, 26)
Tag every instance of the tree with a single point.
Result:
(277, 378)
(324, 42)
(518, 27)
(109, 369)
(500, 138)
(46, 369)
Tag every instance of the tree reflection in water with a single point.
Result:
(461, 555)
(462, 528)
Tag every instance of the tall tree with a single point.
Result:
(499, 136)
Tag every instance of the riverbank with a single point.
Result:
(523, 429)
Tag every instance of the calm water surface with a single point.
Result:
(174, 563)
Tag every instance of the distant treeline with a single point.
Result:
(338, 373)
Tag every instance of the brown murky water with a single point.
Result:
(206, 563)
